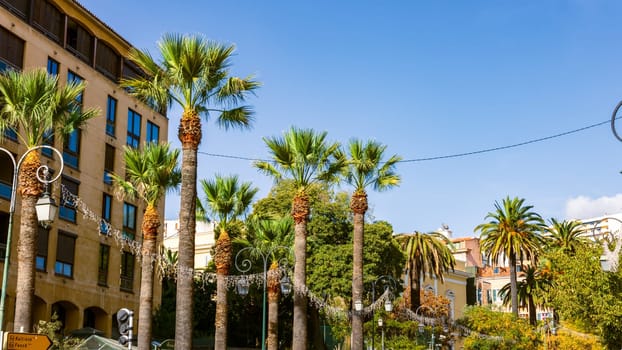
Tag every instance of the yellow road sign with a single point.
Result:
(30, 341)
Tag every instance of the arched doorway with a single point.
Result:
(68, 314)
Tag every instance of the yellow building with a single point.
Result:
(453, 287)
(83, 272)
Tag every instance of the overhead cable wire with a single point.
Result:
(456, 155)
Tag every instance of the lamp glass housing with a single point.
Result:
(380, 322)
(286, 285)
(388, 305)
(46, 208)
(242, 286)
(358, 305)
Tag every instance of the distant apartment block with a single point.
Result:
(204, 241)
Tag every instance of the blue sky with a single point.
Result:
(427, 79)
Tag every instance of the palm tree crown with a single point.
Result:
(193, 73)
(567, 235)
(426, 254)
(512, 235)
(366, 166)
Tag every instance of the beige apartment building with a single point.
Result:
(83, 272)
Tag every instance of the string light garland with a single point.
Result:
(167, 268)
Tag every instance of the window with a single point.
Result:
(48, 140)
(48, 19)
(127, 271)
(19, 7)
(129, 221)
(79, 41)
(6, 176)
(4, 227)
(53, 67)
(133, 128)
(111, 115)
(65, 247)
(107, 61)
(11, 51)
(153, 132)
(102, 270)
(71, 149)
(10, 134)
(109, 164)
(106, 214)
(41, 259)
(74, 78)
(67, 210)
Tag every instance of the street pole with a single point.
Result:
(7, 251)
(245, 265)
(390, 284)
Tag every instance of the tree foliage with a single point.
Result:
(586, 295)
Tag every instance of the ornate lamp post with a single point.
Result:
(421, 327)
(612, 256)
(389, 283)
(381, 324)
(46, 209)
(242, 285)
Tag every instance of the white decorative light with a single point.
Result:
(388, 305)
(46, 209)
(358, 305)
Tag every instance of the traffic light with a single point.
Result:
(125, 321)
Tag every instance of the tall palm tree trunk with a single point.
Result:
(532, 310)
(189, 134)
(513, 284)
(300, 213)
(415, 293)
(359, 207)
(151, 222)
(30, 190)
(222, 258)
(273, 307)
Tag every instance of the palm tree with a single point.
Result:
(227, 200)
(426, 254)
(148, 175)
(513, 234)
(366, 168)
(193, 74)
(33, 104)
(306, 158)
(567, 235)
(529, 287)
(271, 238)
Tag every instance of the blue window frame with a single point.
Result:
(65, 249)
(74, 78)
(53, 66)
(153, 132)
(129, 221)
(48, 140)
(111, 115)
(106, 213)
(71, 149)
(133, 128)
(10, 134)
(42, 249)
(67, 210)
(109, 164)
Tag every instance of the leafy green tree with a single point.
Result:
(567, 235)
(149, 174)
(307, 158)
(194, 74)
(426, 254)
(366, 168)
(32, 104)
(513, 235)
(497, 330)
(585, 295)
(227, 200)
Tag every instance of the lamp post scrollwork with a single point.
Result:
(243, 264)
